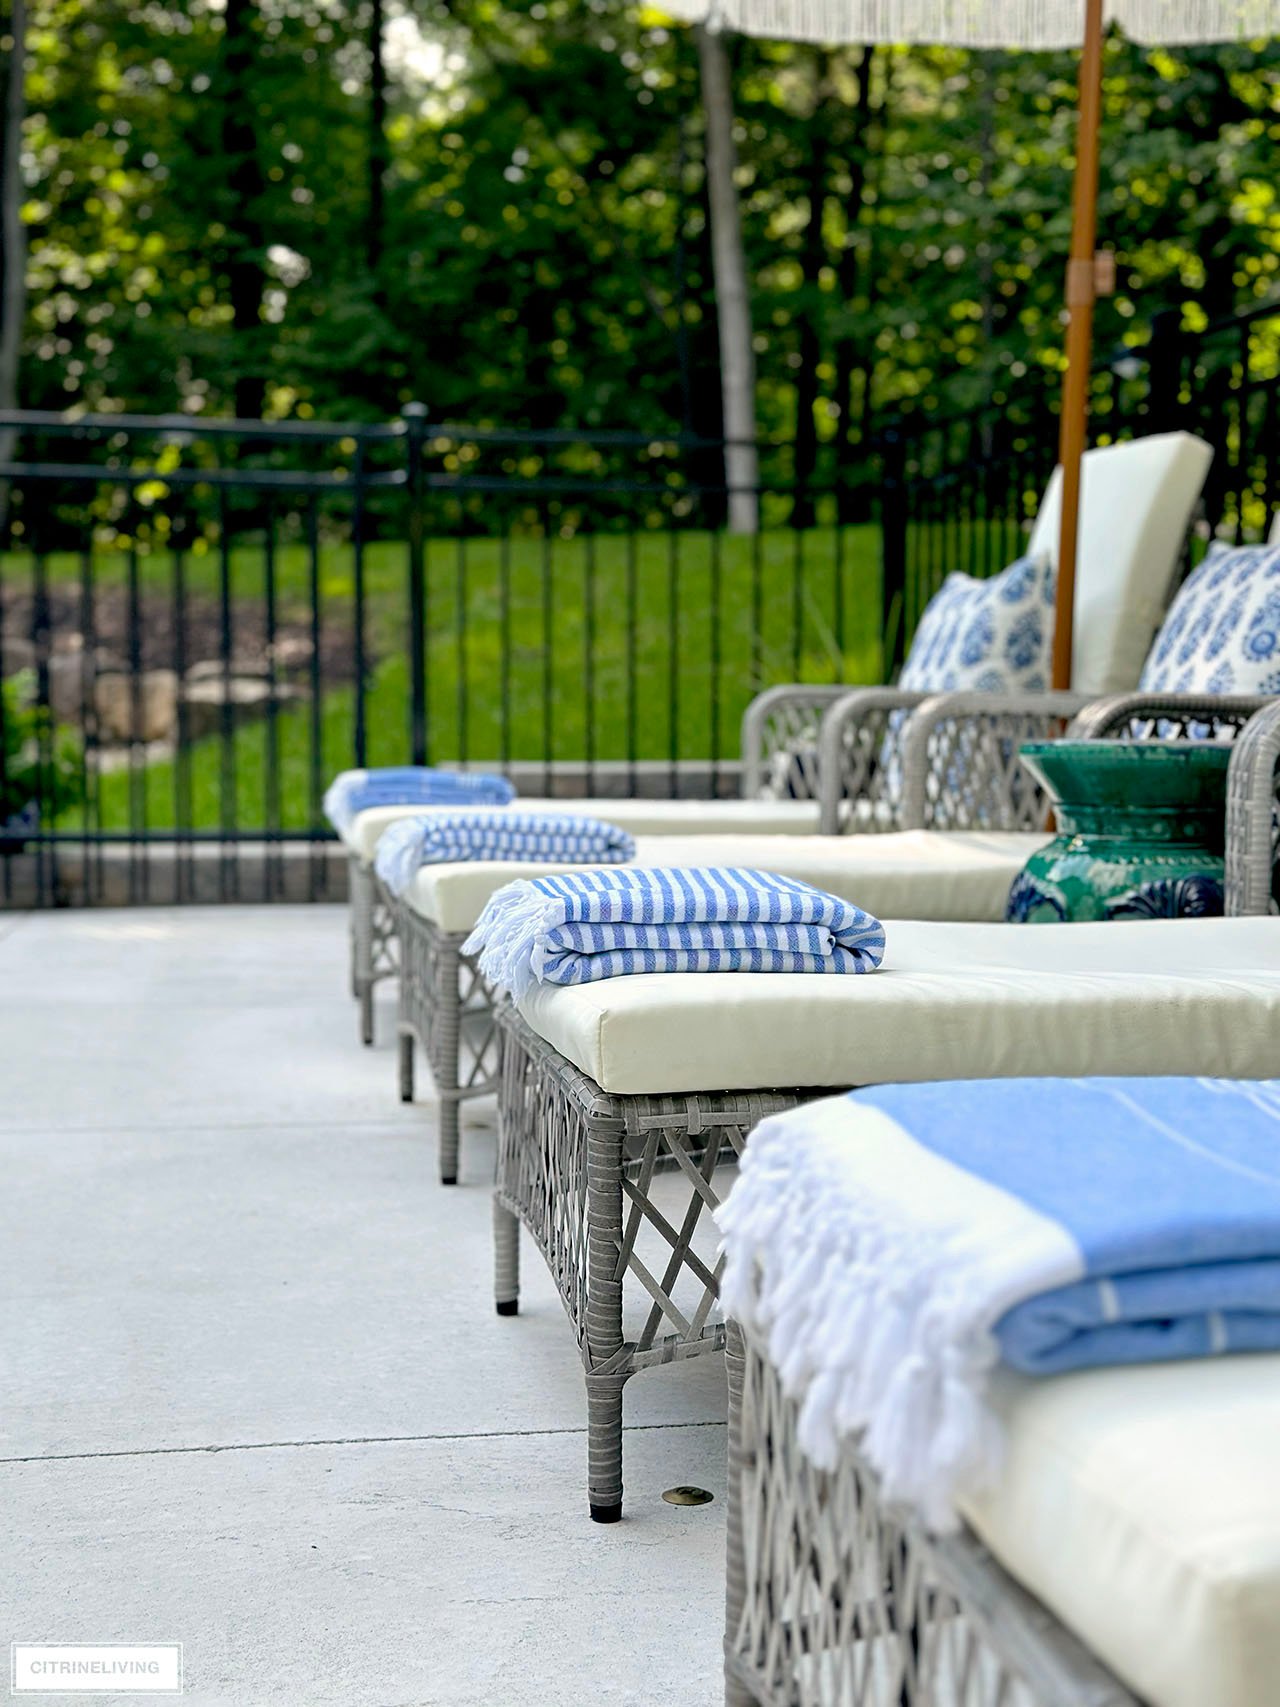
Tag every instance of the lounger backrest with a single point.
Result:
(1136, 504)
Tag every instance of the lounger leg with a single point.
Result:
(361, 890)
(405, 1042)
(604, 1446)
(445, 1062)
(450, 1134)
(604, 1324)
(735, 1693)
(506, 1260)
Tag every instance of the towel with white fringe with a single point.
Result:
(894, 1244)
(581, 926)
(439, 838)
(352, 792)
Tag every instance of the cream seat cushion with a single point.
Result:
(925, 874)
(1136, 504)
(952, 1001)
(1142, 1505)
(640, 817)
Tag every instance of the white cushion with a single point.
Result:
(991, 635)
(953, 1001)
(1142, 1505)
(920, 874)
(1222, 633)
(640, 817)
(1136, 504)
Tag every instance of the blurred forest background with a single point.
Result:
(321, 208)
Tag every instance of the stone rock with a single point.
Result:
(157, 699)
(293, 652)
(246, 697)
(16, 653)
(252, 666)
(69, 688)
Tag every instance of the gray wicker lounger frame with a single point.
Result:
(576, 1163)
(448, 1009)
(374, 954)
(830, 1596)
(577, 1166)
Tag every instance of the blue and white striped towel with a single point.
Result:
(894, 1245)
(410, 785)
(441, 837)
(575, 928)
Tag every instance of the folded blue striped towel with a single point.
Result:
(895, 1244)
(551, 837)
(575, 928)
(410, 785)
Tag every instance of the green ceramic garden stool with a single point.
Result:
(1141, 832)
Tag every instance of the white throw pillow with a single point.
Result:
(994, 636)
(1222, 633)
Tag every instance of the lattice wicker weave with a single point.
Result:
(958, 752)
(1253, 814)
(373, 939)
(832, 1600)
(577, 1166)
(1180, 716)
(449, 1009)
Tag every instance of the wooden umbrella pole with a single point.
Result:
(1081, 291)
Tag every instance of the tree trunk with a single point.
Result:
(379, 153)
(813, 254)
(13, 245)
(246, 279)
(865, 371)
(733, 303)
(854, 148)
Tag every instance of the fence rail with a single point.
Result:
(202, 621)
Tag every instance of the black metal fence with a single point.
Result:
(202, 621)
(959, 493)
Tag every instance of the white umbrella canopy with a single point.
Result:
(982, 23)
(1020, 24)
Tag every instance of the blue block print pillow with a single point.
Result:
(1222, 633)
(992, 636)
(995, 636)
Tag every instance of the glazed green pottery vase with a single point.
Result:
(1141, 832)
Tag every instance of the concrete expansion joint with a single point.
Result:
(212, 1447)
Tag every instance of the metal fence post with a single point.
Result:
(893, 549)
(1164, 369)
(415, 422)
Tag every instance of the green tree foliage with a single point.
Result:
(201, 231)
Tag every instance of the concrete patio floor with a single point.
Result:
(255, 1396)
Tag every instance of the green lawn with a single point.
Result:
(609, 646)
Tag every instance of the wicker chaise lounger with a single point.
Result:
(373, 937)
(605, 1084)
(1127, 1550)
(1137, 501)
(1136, 1532)
(962, 874)
(446, 1007)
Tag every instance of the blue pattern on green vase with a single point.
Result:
(1141, 832)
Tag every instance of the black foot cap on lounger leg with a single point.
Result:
(607, 1513)
(448, 1179)
(508, 1307)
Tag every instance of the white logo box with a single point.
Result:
(87, 1668)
